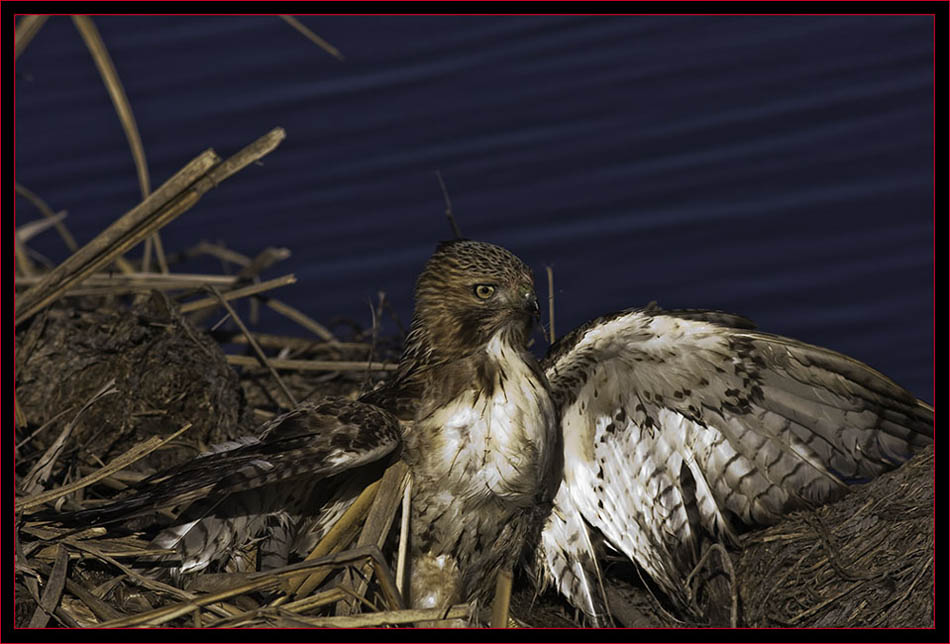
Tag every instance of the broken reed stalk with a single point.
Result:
(26, 29)
(389, 618)
(313, 365)
(98, 607)
(139, 451)
(123, 109)
(262, 358)
(448, 206)
(312, 37)
(403, 553)
(252, 270)
(300, 318)
(47, 212)
(43, 467)
(264, 260)
(54, 589)
(110, 77)
(163, 205)
(146, 280)
(308, 603)
(285, 341)
(238, 293)
(26, 232)
(551, 334)
(220, 608)
(502, 602)
(375, 530)
(222, 253)
(336, 538)
(264, 581)
(23, 263)
(174, 197)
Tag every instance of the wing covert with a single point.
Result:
(675, 428)
(267, 483)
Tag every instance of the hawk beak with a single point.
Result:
(531, 305)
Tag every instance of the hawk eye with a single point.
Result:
(484, 291)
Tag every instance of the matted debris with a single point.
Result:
(866, 560)
(165, 373)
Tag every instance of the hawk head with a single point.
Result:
(469, 291)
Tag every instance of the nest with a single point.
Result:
(867, 560)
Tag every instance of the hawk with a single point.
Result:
(646, 430)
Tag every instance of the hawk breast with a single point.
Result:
(495, 438)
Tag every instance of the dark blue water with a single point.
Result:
(777, 167)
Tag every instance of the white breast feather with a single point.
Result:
(487, 440)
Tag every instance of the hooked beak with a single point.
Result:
(530, 303)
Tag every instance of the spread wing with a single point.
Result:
(245, 486)
(679, 425)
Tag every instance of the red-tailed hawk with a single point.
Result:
(647, 430)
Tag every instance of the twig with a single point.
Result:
(404, 538)
(110, 77)
(29, 230)
(42, 427)
(833, 553)
(551, 334)
(26, 29)
(448, 206)
(502, 602)
(20, 420)
(160, 252)
(727, 564)
(255, 582)
(54, 590)
(23, 263)
(42, 469)
(342, 532)
(163, 205)
(378, 521)
(313, 365)
(830, 600)
(147, 280)
(287, 342)
(264, 260)
(173, 198)
(300, 318)
(307, 603)
(23, 568)
(252, 269)
(899, 602)
(222, 253)
(102, 610)
(238, 293)
(320, 42)
(394, 617)
(139, 451)
(221, 608)
(256, 347)
(56, 219)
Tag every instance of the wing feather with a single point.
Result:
(233, 493)
(678, 425)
